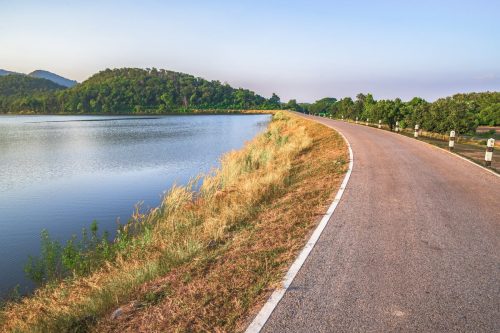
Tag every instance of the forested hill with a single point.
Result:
(133, 90)
(139, 90)
(19, 85)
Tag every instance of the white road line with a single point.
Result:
(442, 149)
(463, 158)
(268, 308)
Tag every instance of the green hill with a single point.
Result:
(134, 90)
(129, 90)
(23, 85)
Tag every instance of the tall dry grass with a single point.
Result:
(187, 223)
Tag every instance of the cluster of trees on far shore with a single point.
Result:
(460, 112)
(127, 90)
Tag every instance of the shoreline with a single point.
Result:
(190, 113)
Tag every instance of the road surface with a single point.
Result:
(413, 246)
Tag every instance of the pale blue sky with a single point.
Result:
(298, 49)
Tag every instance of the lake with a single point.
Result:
(62, 172)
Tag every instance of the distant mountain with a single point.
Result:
(41, 74)
(62, 81)
(4, 72)
(20, 85)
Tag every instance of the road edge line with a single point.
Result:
(434, 146)
(265, 312)
(461, 157)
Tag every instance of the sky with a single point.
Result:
(305, 50)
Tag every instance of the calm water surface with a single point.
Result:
(62, 172)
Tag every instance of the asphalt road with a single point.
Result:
(414, 246)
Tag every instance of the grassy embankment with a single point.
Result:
(206, 260)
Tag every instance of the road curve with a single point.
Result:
(413, 246)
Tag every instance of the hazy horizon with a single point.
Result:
(301, 50)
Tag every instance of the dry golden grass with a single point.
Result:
(208, 258)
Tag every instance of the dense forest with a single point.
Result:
(460, 112)
(18, 85)
(19, 92)
(133, 90)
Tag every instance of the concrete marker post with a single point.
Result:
(367, 121)
(380, 124)
(416, 131)
(397, 126)
(451, 144)
(356, 120)
(488, 156)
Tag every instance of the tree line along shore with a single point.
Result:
(462, 113)
(159, 91)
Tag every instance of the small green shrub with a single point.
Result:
(78, 257)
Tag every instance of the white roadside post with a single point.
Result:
(356, 120)
(367, 121)
(489, 152)
(342, 118)
(416, 131)
(397, 126)
(380, 124)
(451, 144)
